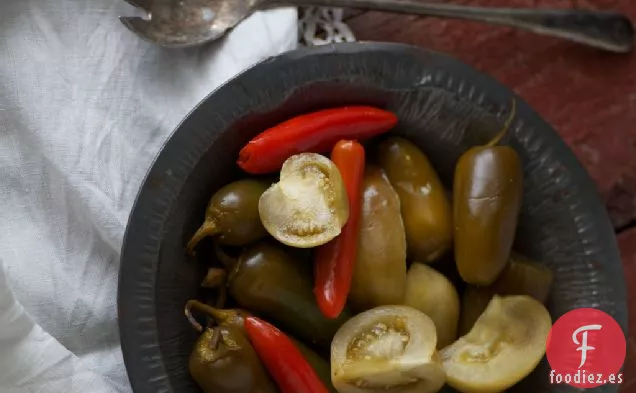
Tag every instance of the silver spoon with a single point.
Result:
(186, 23)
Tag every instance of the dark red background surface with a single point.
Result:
(587, 95)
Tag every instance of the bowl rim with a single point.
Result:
(138, 261)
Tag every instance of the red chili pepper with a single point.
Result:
(333, 265)
(315, 132)
(282, 359)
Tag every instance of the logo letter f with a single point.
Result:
(583, 344)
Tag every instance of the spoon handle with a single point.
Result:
(604, 30)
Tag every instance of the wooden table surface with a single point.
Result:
(588, 96)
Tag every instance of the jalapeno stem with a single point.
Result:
(215, 278)
(209, 228)
(506, 126)
(229, 262)
(215, 340)
(220, 316)
(222, 296)
(188, 313)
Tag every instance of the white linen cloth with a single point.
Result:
(84, 107)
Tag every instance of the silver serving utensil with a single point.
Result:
(187, 23)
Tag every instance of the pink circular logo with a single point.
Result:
(586, 348)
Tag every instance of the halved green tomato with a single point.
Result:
(389, 349)
(308, 206)
(504, 346)
(433, 294)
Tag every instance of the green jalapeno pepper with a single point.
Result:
(379, 274)
(269, 281)
(232, 215)
(236, 318)
(488, 190)
(224, 361)
(426, 212)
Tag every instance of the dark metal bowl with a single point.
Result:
(444, 107)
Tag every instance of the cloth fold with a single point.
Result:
(84, 107)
